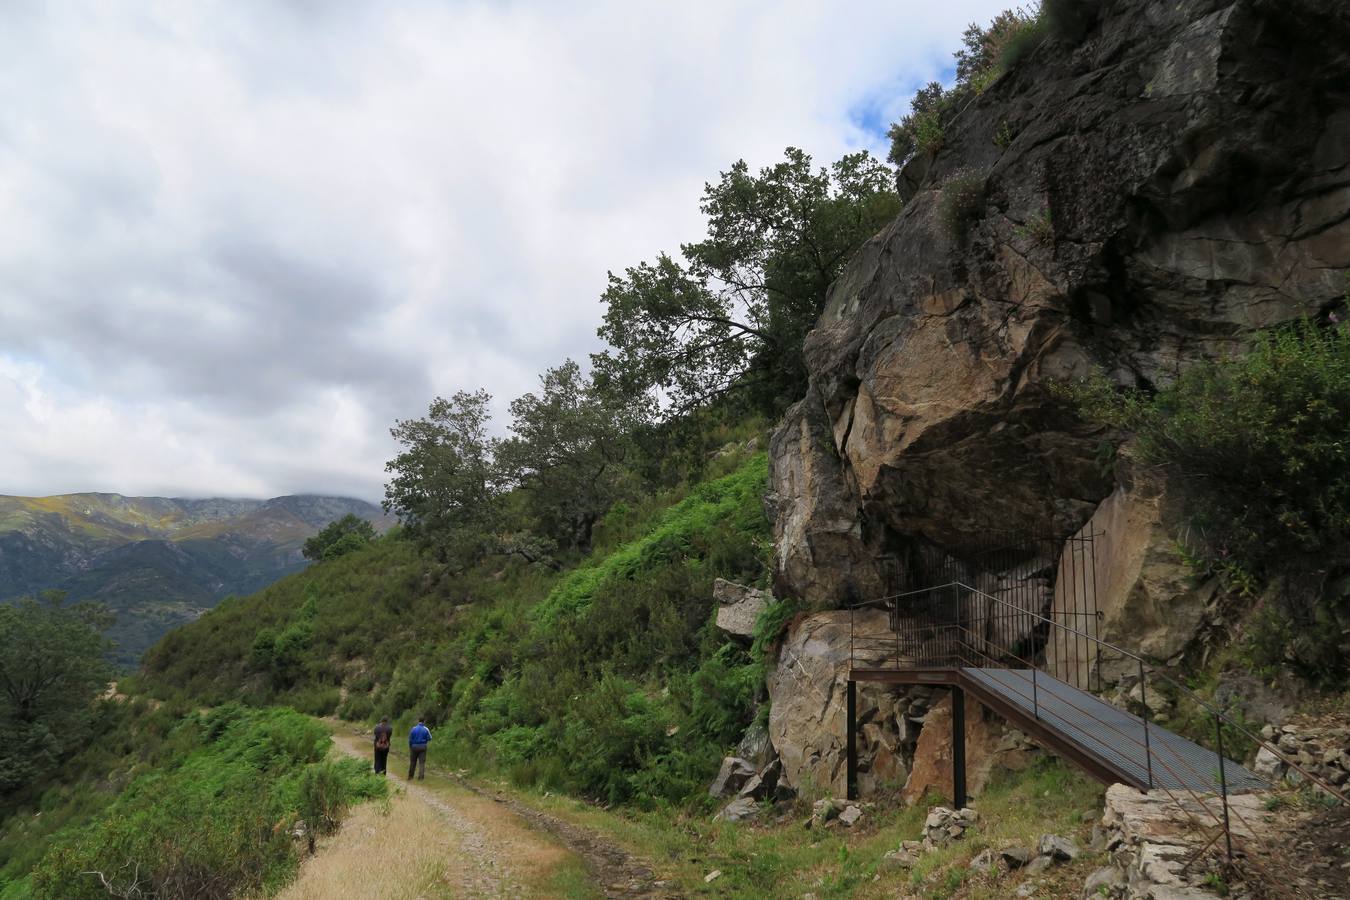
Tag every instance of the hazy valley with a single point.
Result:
(158, 562)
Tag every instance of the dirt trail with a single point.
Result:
(505, 846)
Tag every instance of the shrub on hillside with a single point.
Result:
(211, 820)
(1258, 446)
(339, 538)
(1022, 38)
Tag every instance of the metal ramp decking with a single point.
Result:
(1045, 677)
(1140, 754)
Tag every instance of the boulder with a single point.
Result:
(901, 858)
(943, 825)
(1107, 881)
(1015, 857)
(1146, 597)
(1269, 765)
(731, 778)
(1059, 849)
(850, 816)
(738, 607)
(742, 809)
(808, 709)
(755, 746)
(763, 785)
(986, 862)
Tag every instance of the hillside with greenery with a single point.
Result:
(615, 659)
(156, 562)
(546, 599)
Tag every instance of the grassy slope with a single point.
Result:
(182, 794)
(614, 663)
(606, 681)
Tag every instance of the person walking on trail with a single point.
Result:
(384, 732)
(418, 739)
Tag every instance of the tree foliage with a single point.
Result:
(444, 487)
(351, 532)
(733, 314)
(571, 445)
(51, 668)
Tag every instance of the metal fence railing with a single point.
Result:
(1054, 671)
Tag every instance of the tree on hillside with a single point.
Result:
(351, 532)
(733, 314)
(51, 669)
(444, 487)
(569, 452)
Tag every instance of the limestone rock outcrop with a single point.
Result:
(1153, 839)
(1145, 597)
(1148, 195)
(808, 710)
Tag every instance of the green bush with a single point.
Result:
(924, 128)
(1257, 446)
(325, 793)
(961, 204)
(356, 708)
(211, 818)
(1020, 42)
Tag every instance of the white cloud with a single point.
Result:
(238, 240)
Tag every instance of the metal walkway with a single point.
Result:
(1143, 753)
(1044, 677)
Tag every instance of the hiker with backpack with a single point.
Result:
(418, 739)
(384, 732)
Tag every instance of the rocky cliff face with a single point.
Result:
(1142, 199)
(1130, 203)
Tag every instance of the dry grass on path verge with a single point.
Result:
(434, 840)
(393, 851)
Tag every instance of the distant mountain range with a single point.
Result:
(158, 562)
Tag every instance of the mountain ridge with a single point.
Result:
(158, 561)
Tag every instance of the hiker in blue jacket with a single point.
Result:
(418, 739)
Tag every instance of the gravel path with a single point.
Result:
(499, 837)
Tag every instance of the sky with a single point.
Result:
(239, 239)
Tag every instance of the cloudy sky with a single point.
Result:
(238, 239)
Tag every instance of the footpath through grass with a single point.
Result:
(450, 842)
(778, 856)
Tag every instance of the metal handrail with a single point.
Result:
(933, 645)
(1138, 659)
(1157, 673)
(1163, 762)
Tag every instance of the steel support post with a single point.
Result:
(1223, 787)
